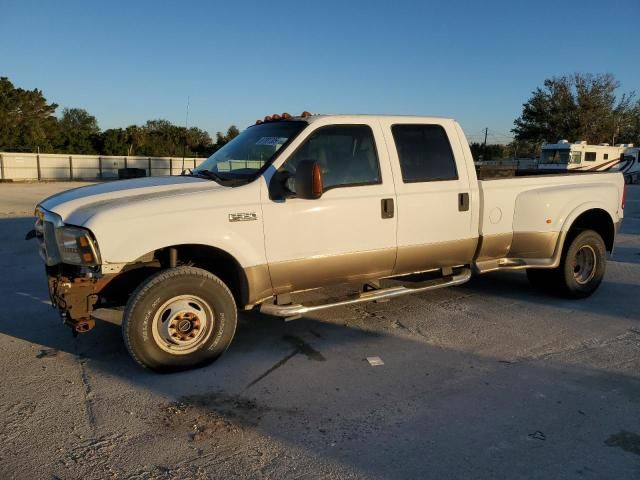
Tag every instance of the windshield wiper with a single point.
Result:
(208, 174)
(218, 178)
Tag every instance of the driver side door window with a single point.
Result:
(346, 155)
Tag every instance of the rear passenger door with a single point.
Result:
(435, 222)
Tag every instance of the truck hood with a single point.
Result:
(78, 205)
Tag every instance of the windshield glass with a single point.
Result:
(244, 156)
(555, 155)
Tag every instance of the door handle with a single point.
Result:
(386, 208)
(463, 202)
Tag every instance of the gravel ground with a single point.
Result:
(489, 380)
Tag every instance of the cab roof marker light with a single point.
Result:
(305, 114)
(275, 116)
(258, 122)
(285, 116)
(267, 118)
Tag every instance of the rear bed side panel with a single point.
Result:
(552, 208)
(527, 218)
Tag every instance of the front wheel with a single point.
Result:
(179, 319)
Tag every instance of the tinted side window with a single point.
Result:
(346, 155)
(590, 156)
(424, 152)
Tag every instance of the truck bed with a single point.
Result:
(522, 218)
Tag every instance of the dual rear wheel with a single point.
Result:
(581, 268)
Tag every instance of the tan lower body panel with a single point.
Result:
(290, 276)
(429, 256)
(517, 245)
(258, 283)
(494, 246)
(319, 271)
(533, 244)
(518, 250)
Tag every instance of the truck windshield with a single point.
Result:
(555, 155)
(244, 157)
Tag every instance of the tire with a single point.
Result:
(576, 276)
(179, 319)
(579, 280)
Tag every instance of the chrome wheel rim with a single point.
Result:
(585, 264)
(182, 324)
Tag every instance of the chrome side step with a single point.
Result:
(293, 311)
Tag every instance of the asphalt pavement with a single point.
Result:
(490, 380)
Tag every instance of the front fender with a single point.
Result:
(124, 235)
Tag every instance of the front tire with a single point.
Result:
(179, 319)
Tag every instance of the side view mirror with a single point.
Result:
(308, 180)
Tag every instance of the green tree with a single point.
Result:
(78, 132)
(26, 119)
(490, 152)
(135, 137)
(575, 107)
(627, 126)
(27, 123)
(223, 139)
(162, 138)
(524, 149)
(113, 141)
(199, 142)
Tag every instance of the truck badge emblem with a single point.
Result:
(242, 217)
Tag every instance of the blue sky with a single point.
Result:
(127, 62)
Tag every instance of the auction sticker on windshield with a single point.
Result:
(270, 141)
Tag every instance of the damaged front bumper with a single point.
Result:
(75, 296)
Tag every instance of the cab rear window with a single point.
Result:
(424, 152)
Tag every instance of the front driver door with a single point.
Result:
(342, 236)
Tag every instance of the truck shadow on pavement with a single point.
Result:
(300, 398)
(612, 299)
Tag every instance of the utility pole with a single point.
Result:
(484, 145)
(186, 132)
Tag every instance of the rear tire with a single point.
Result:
(581, 268)
(583, 264)
(179, 319)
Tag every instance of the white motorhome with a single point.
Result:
(580, 156)
(630, 164)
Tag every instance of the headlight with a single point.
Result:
(76, 246)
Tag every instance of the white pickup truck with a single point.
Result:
(388, 205)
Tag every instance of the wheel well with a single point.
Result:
(594, 219)
(216, 261)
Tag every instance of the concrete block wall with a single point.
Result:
(58, 166)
